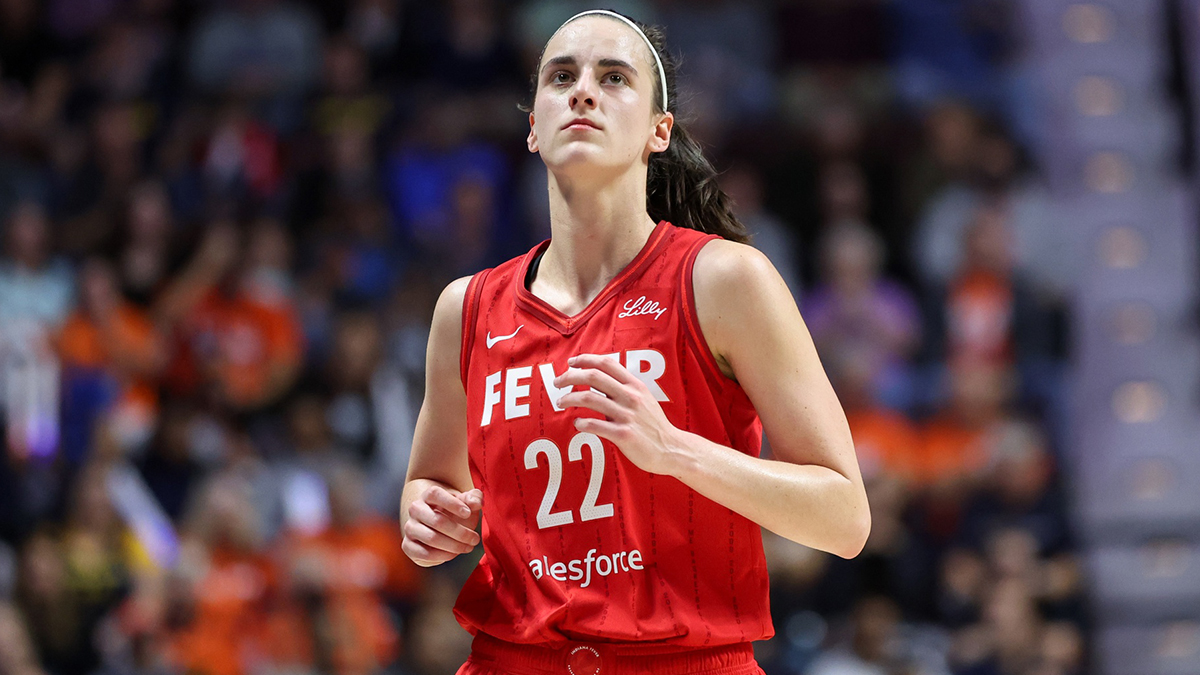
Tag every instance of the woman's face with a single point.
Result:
(600, 70)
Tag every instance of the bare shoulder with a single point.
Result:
(738, 292)
(727, 267)
(732, 280)
(448, 311)
(445, 333)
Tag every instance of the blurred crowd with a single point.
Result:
(225, 223)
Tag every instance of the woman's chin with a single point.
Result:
(580, 163)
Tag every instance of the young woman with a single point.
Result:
(597, 401)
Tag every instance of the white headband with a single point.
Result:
(662, 75)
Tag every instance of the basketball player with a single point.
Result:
(597, 401)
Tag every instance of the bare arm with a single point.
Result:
(439, 509)
(812, 492)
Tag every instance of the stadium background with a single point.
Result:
(225, 224)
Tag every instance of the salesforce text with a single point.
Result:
(577, 570)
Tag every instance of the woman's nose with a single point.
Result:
(585, 91)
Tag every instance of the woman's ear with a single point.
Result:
(662, 133)
(532, 142)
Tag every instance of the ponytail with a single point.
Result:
(682, 189)
(681, 184)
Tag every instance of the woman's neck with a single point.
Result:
(594, 235)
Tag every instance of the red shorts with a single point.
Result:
(490, 656)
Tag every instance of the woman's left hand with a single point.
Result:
(633, 419)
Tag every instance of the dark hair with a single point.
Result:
(681, 186)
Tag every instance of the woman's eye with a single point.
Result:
(616, 78)
(560, 77)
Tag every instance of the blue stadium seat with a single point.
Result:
(1093, 25)
(1158, 580)
(1162, 648)
(1129, 497)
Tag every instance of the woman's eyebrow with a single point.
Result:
(618, 63)
(603, 63)
(559, 61)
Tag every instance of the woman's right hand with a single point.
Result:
(441, 524)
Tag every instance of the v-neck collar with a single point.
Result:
(569, 324)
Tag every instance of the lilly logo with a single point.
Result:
(642, 306)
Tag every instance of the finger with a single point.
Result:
(421, 533)
(433, 539)
(422, 554)
(605, 364)
(591, 377)
(441, 523)
(592, 401)
(473, 498)
(609, 431)
(442, 499)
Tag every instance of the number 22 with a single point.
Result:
(588, 510)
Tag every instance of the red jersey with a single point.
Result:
(579, 543)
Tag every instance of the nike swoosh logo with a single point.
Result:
(493, 340)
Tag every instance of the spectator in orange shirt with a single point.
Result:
(112, 356)
(228, 583)
(369, 534)
(350, 580)
(956, 443)
(235, 343)
(992, 312)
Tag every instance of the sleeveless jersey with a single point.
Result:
(579, 543)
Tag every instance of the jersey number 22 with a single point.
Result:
(589, 509)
